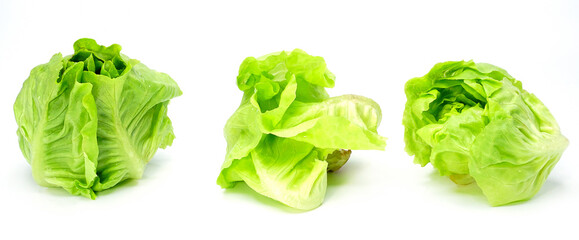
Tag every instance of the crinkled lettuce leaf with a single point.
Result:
(288, 133)
(91, 120)
(57, 127)
(475, 123)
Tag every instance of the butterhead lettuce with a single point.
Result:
(475, 123)
(288, 133)
(91, 120)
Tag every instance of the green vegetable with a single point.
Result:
(89, 121)
(475, 123)
(288, 133)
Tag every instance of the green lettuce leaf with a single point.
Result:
(288, 133)
(91, 120)
(57, 127)
(474, 123)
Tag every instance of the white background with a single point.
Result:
(372, 47)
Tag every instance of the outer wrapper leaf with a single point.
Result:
(57, 125)
(285, 131)
(474, 122)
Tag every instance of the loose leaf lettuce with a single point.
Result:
(91, 120)
(474, 123)
(288, 133)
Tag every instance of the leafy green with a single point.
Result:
(91, 120)
(288, 133)
(474, 123)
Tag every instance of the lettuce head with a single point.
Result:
(288, 133)
(91, 120)
(475, 123)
